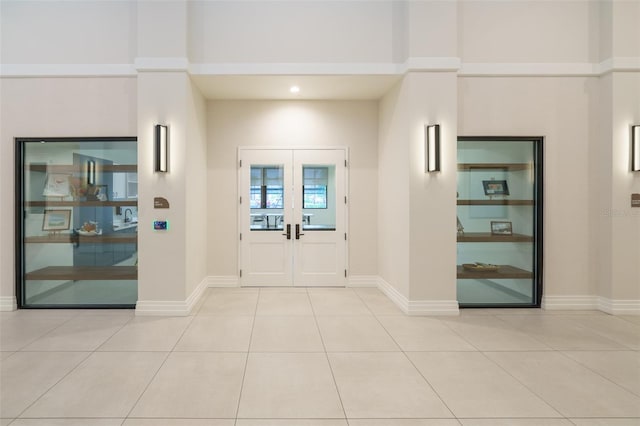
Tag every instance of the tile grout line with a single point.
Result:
(413, 365)
(326, 355)
(157, 371)
(562, 353)
(46, 333)
(246, 361)
(524, 385)
(82, 361)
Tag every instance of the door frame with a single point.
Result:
(347, 159)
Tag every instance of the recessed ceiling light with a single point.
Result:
(294, 89)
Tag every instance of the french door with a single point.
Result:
(292, 217)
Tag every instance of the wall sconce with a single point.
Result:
(161, 142)
(432, 148)
(635, 148)
(91, 172)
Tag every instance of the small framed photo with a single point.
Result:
(501, 228)
(56, 220)
(495, 187)
(57, 185)
(98, 193)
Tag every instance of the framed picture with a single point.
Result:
(56, 220)
(495, 187)
(57, 185)
(501, 228)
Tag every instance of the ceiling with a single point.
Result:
(335, 87)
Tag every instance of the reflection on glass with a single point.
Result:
(318, 197)
(266, 200)
(79, 223)
(498, 221)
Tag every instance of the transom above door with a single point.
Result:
(292, 217)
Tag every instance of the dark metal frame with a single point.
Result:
(538, 224)
(19, 218)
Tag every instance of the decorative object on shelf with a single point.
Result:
(635, 148)
(98, 193)
(460, 227)
(480, 267)
(635, 200)
(501, 228)
(56, 220)
(162, 147)
(89, 229)
(57, 185)
(495, 187)
(91, 172)
(432, 148)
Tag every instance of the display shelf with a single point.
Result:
(51, 203)
(70, 238)
(487, 237)
(504, 272)
(496, 202)
(76, 273)
(494, 166)
(70, 168)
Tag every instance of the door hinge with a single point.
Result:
(240, 163)
(345, 163)
(345, 273)
(345, 236)
(240, 200)
(240, 273)
(345, 199)
(241, 236)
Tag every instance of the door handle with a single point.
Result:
(288, 234)
(298, 231)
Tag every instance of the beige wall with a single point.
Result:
(558, 109)
(625, 237)
(196, 190)
(393, 189)
(233, 124)
(50, 107)
(68, 32)
(290, 31)
(528, 31)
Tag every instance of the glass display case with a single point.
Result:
(499, 227)
(77, 222)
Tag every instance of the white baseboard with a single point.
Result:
(363, 281)
(8, 303)
(222, 281)
(619, 307)
(178, 308)
(570, 303)
(418, 307)
(591, 303)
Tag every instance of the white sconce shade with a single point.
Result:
(635, 148)
(432, 148)
(91, 172)
(162, 147)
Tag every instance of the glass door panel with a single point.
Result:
(267, 197)
(319, 197)
(78, 235)
(499, 221)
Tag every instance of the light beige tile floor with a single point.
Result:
(317, 357)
